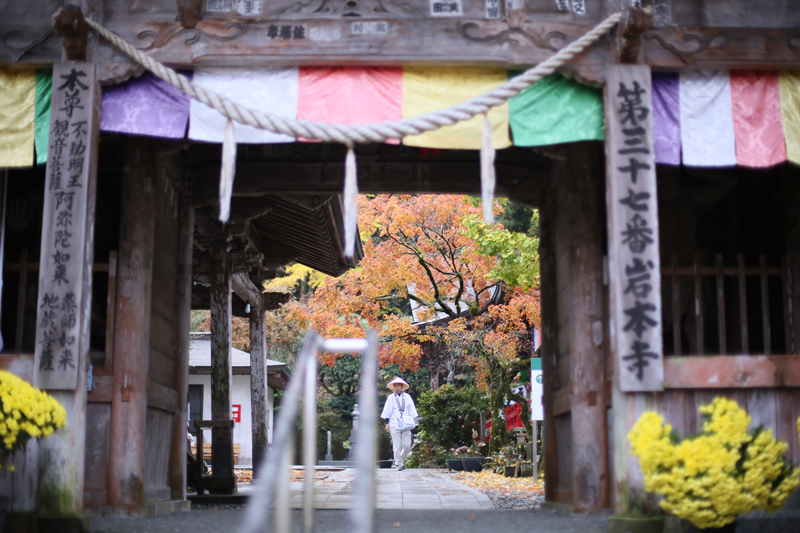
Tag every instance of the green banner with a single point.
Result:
(556, 110)
(44, 91)
(536, 363)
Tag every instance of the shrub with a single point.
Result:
(448, 416)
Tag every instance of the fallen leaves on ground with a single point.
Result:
(243, 475)
(491, 481)
(505, 492)
(299, 475)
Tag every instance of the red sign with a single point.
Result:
(237, 413)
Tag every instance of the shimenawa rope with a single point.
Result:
(369, 133)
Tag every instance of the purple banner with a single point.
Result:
(145, 106)
(666, 118)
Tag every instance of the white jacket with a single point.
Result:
(391, 410)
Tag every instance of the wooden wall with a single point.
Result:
(162, 396)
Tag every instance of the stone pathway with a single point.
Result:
(409, 489)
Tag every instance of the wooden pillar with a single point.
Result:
(791, 196)
(258, 385)
(183, 307)
(587, 326)
(549, 352)
(65, 288)
(221, 438)
(132, 329)
(633, 272)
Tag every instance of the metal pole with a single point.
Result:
(258, 508)
(362, 515)
(309, 446)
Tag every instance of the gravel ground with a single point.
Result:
(503, 500)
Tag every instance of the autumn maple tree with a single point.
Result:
(470, 285)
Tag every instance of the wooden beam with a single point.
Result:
(66, 277)
(221, 440)
(586, 326)
(164, 398)
(126, 482)
(791, 199)
(183, 305)
(547, 272)
(631, 203)
(562, 402)
(258, 385)
(246, 289)
(70, 23)
(731, 371)
(259, 178)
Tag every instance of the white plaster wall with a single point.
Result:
(240, 394)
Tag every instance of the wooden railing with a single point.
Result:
(675, 276)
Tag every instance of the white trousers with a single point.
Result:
(401, 445)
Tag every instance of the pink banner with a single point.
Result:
(350, 95)
(755, 96)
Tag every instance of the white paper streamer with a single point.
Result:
(488, 178)
(350, 207)
(227, 170)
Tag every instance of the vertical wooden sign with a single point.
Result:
(632, 211)
(67, 225)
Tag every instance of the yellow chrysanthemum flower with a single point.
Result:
(25, 413)
(713, 477)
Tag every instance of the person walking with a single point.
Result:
(400, 415)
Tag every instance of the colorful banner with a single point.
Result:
(700, 118)
(44, 92)
(145, 106)
(269, 90)
(350, 95)
(756, 104)
(707, 136)
(790, 113)
(428, 89)
(667, 118)
(17, 100)
(556, 110)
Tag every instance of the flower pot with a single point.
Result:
(455, 465)
(472, 464)
(688, 527)
(385, 463)
(510, 471)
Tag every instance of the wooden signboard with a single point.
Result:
(64, 286)
(633, 254)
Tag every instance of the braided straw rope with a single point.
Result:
(369, 133)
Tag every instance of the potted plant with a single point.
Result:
(506, 461)
(712, 477)
(472, 461)
(25, 413)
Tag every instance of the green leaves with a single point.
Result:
(517, 254)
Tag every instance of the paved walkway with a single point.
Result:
(409, 489)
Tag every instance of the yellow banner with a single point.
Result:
(17, 97)
(427, 89)
(790, 113)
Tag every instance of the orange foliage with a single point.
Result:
(416, 248)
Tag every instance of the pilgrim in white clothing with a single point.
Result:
(400, 415)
